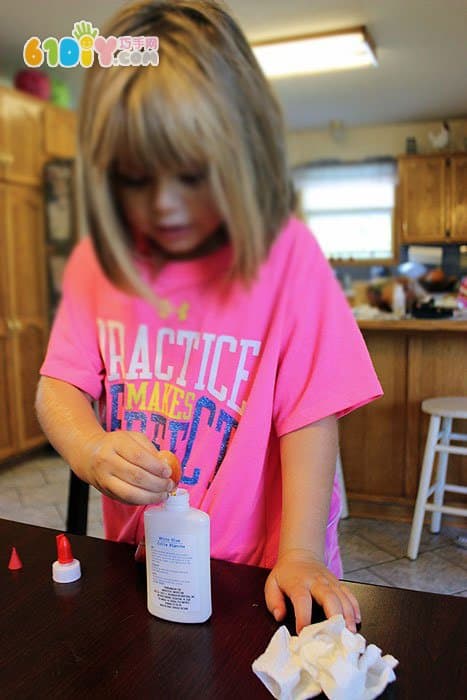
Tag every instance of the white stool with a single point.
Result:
(340, 477)
(442, 411)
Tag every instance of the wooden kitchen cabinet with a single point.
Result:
(433, 198)
(458, 198)
(21, 137)
(60, 132)
(23, 320)
(7, 426)
(31, 132)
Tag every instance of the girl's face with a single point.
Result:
(176, 214)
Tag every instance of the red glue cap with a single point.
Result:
(15, 562)
(66, 569)
(64, 553)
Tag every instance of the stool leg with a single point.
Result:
(446, 429)
(340, 478)
(424, 485)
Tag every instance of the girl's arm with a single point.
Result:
(121, 464)
(308, 459)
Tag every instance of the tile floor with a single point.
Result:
(373, 551)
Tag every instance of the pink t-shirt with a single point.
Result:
(217, 377)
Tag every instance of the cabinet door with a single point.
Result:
(26, 254)
(29, 344)
(60, 132)
(4, 301)
(372, 438)
(423, 199)
(28, 304)
(21, 137)
(7, 409)
(458, 199)
(8, 436)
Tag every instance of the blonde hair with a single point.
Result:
(207, 104)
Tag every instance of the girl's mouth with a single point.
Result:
(176, 230)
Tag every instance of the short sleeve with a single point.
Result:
(324, 368)
(73, 350)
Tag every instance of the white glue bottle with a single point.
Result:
(178, 560)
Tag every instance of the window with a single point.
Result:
(349, 207)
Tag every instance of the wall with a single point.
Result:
(360, 142)
(357, 143)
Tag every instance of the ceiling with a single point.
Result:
(421, 49)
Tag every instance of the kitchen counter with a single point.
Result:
(451, 325)
(382, 443)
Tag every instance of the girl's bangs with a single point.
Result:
(155, 130)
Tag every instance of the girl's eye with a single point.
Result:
(192, 179)
(132, 180)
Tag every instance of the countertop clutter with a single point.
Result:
(432, 297)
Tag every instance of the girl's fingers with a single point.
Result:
(330, 602)
(353, 601)
(301, 584)
(347, 611)
(126, 466)
(302, 604)
(274, 597)
(335, 600)
(139, 451)
(134, 495)
(133, 474)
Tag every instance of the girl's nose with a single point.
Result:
(164, 195)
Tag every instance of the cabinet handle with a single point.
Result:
(14, 324)
(6, 159)
(448, 233)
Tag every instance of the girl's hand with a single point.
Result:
(125, 465)
(302, 578)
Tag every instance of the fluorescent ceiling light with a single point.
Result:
(316, 53)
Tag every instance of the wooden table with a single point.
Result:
(95, 639)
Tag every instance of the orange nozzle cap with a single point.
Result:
(15, 562)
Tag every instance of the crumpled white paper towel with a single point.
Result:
(325, 657)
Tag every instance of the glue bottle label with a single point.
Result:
(171, 563)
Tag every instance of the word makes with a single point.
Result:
(159, 397)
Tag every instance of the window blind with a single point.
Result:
(349, 207)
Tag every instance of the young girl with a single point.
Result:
(201, 315)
